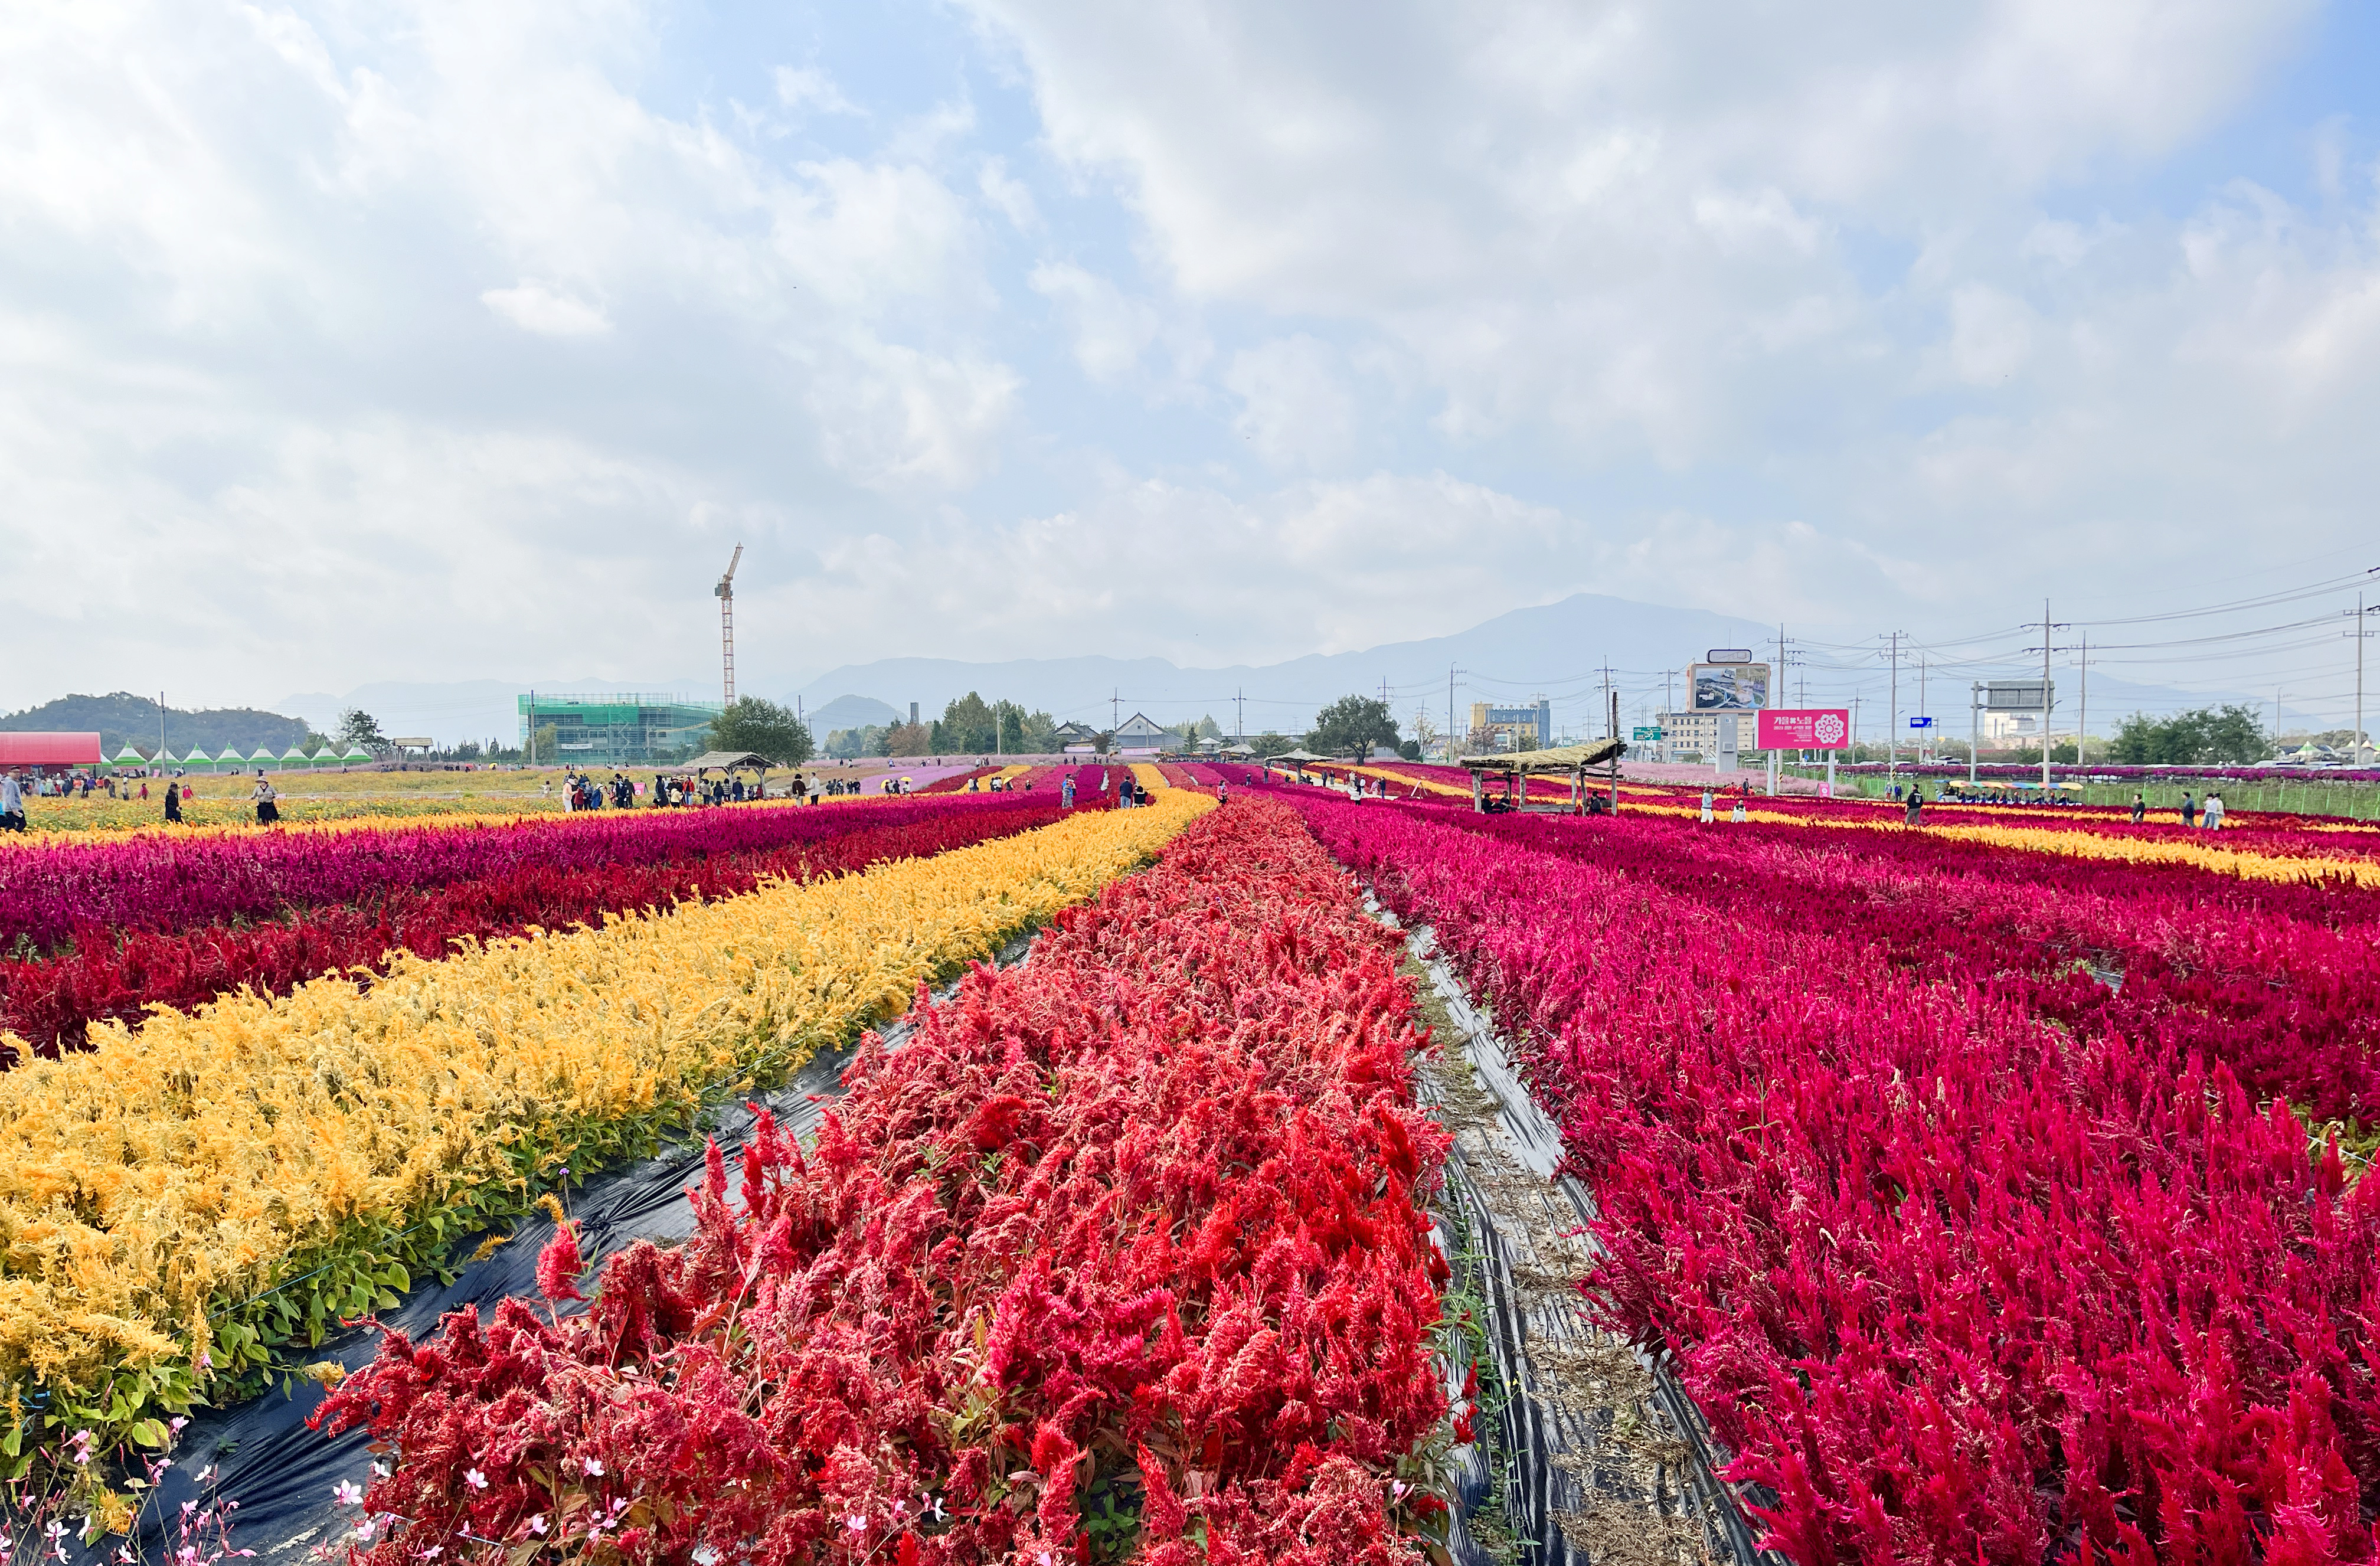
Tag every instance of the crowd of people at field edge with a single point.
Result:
(579, 792)
(1912, 803)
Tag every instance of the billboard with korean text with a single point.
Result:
(1805, 728)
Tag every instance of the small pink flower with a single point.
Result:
(594, 1468)
(856, 1523)
(476, 1479)
(347, 1493)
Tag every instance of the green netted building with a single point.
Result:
(614, 728)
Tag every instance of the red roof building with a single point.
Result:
(49, 750)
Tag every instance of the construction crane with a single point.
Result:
(727, 591)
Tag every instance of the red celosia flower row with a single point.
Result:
(2280, 983)
(1122, 1252)
(49, 1002)
(1957, 1281)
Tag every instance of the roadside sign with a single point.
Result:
(1641, 735)
(1920, 723)
(1806, 728)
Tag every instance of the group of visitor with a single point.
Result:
(583, 791)
(687, 790)
(1743, 802)
(2209, 815)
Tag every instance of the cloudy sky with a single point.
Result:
(347, 342)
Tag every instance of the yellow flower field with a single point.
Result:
(2247, 865)
(152, 1187)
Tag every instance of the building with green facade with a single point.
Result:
(614, 728)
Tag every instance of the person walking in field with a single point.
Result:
(1916, 803)
(2214, 812)
(2189, 811)
(1067, 792)
(12, 802)
(267, 810)
(2140, 809)
(1736, 812)
(1706, 807)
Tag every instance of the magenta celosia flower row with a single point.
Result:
(1964, 1262)
(1123, 1244)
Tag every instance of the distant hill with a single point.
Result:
(122, 716)
(1554, 648)
(853, 712)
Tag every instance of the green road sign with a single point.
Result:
(1645, 737)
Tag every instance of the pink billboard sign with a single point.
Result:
(1804, 728)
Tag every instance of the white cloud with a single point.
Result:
(1567, 213)
(1110, 331)
(1009, 196)
(532, 307)
(1808, 312)
(1991, 334)
(1295, 407)
(807, 89)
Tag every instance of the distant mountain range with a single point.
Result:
(122, 716)
(1557, 649)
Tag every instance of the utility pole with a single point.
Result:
(1450, 751)
(532, 725)
(1892, 719)
(1240, 723)
(1115, 709)
(1614, 734)
(161, 709)
(2045, 700)
(1974, 728)
(1927, 732)
(2355, 746)
(2083, 699)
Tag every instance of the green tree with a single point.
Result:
(1040, 732)
(1101, 741)
(358, 727)
(967, 724)
(1351, 725)
(2202, 736)
(1271, 744)
(762, 727)
(908, 739)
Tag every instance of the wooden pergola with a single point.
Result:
(1516, 767)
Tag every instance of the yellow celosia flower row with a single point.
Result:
(176, 1172)
(2248, 865)
(1150, 778)
(60, 818)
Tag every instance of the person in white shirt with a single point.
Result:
(12, 802)
(2214, 816)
